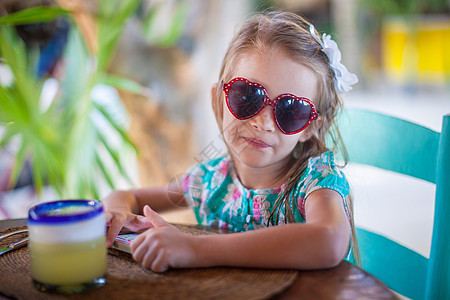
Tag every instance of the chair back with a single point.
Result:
(404, 147)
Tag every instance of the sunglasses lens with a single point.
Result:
(245, 100)
(292, 115)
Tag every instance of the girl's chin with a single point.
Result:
(254, 160)
(256, 157)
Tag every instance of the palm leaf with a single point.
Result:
(114, 124)
(14, 54)
(123, 83)
(111, 20)
(81, 155)
(104, 171)
(79, 69)
(36, 172)
(115, 156)
(19, 164)
(94, 191)
(172, 34)
(33, 15)
(176, 28)
(8, 134)
(62, 143)
(8, 107)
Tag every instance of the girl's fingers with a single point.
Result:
(138, 222)
(139, 253)
(148, 253)
(137, 248)
(149, 248)
(137, 242)
(108, 218)
(149, 257)
(118, 222)
(143, 252)
(115, 225)
(153, 216)
(159, 264)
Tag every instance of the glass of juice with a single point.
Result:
(67, 245)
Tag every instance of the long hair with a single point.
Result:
(289, 33)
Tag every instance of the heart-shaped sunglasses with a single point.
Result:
(246, 99)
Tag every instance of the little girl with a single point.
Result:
(275, 102)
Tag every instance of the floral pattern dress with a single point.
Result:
(218, 197)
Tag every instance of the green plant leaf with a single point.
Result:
(79, 70)
(6, 137)
(81, 157)
(104, 171)
(172, 34)
(114, 124)
(115, 156)
(177, 26)
(19, 163)
(123, 83)
(37, 175)
(62, 143)
(111, 21)
(33, 15)
(94, 192)
(8, 107)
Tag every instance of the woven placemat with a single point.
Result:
(127, 280)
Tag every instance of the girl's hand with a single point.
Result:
(120, 217)
(163, 246)
(122, 221)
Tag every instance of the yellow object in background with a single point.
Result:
(416, 50)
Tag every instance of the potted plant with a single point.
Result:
(73, 140)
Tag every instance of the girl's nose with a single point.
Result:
(264, 121)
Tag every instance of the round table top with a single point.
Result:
(345, 281)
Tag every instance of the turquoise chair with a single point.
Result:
(397, 145)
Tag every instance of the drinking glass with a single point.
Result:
(67, 245)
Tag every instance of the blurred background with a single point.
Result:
(109, 94)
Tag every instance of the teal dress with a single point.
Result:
(218, 198)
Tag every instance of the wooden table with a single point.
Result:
(345, 281)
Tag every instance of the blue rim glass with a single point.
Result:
(42, 213)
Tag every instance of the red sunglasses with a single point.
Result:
(246, 99)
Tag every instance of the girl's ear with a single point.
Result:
(309, 132)
(213, 97)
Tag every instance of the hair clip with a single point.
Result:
(343, 78)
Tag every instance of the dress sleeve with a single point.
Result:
(192, 185)
(200, 182)
(322, 173)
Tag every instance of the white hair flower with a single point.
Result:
(342, 77)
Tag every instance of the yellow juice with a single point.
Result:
(68, 263)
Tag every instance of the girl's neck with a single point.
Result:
(268, 177)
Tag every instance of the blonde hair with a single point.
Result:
(289, 33)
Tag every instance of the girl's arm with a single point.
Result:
(321, 242)
(123, 209)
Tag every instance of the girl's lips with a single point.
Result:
(257, 143)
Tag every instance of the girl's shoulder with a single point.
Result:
(321, 173)
(210, 168)
(324, 164)
(213, 165)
